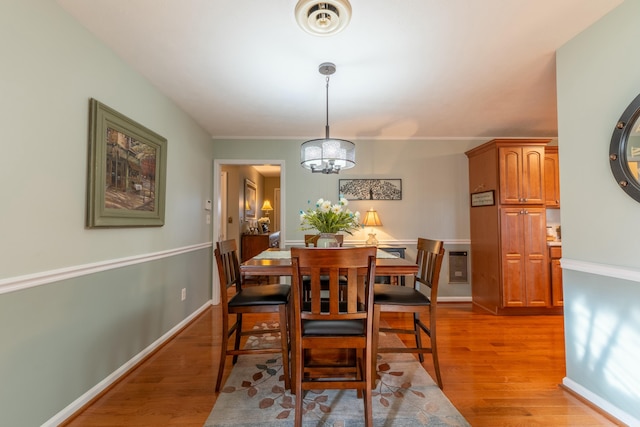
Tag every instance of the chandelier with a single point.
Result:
(327, 155)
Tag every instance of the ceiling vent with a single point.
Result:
(323, 18)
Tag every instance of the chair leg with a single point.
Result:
(236, 344)
(375, 341)
(416, 330)
(368, 412)
(223, 351)
(284, 340)
(434, 348)
(298, 387)
(369, 381)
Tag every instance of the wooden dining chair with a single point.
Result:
(322, 323)
(238, 300)
(413, 299)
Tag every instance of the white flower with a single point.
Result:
(325, 206)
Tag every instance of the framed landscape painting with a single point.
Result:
(127, 171)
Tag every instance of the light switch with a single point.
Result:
(207, 205)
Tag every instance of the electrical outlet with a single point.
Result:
(184, 294)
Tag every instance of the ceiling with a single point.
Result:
(405, 68)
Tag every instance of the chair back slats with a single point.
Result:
(429, 259)
(321, 265)
(228, 266)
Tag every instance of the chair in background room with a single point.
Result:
(410, 299)
(343, 324)
(254, 299)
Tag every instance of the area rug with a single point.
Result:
(405, 396)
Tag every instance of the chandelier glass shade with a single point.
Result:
(327, 155)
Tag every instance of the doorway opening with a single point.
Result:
(226, 221)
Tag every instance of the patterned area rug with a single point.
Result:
(254, 395)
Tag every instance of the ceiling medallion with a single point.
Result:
(323, 17)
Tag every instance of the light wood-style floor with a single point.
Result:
(497, 370)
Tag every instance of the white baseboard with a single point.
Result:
(77, 404)
(454, 299)
(598, 401)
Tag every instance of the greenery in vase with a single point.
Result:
(328, 218)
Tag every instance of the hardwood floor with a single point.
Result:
(497, 370)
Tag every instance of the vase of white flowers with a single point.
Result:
(329, 219)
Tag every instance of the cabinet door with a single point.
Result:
(510, 167)
(551, 180)
(533, 175)
(521, 175)
(535, 251)
(557, 298)
(513, 258)
(524, 259)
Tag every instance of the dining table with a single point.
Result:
(277, 262)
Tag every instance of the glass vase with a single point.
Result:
(327, 240)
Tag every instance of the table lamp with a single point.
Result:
(371, 219)
(266, 207)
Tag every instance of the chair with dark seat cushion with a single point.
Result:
(238, 300)
(343, 324)
(411, 299)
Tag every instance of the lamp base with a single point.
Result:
(372, 241)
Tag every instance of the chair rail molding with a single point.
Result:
(601, 269)
(17, 283)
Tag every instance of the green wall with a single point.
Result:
(598, 76)
(77, 304)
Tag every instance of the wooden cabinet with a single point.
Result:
(551, 177)
(555, 253)
(521, 170)
(252, 244)
(509, 255)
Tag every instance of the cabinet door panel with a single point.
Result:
(537, 283)
(556, 283)
(551, 180)
(533, 175)
(510, 174)
(535, 253)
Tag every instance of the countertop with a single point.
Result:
(554, 243)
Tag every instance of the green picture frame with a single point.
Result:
(127, 171)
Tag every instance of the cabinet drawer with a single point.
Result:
(555, 252)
